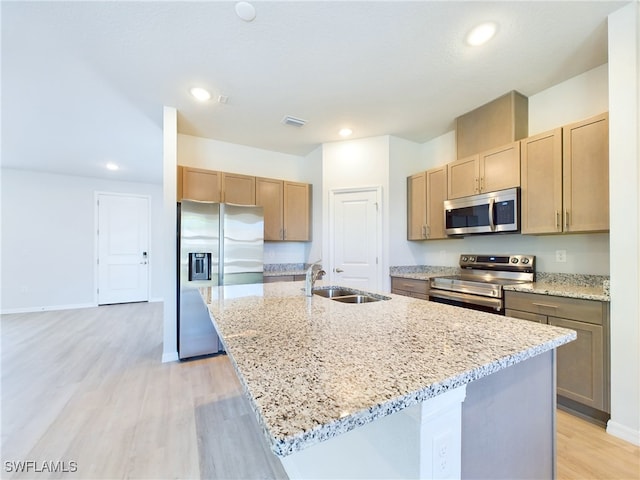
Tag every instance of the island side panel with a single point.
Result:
(508, 422)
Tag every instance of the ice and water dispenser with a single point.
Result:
(199, 266)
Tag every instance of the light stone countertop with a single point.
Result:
(586, 287)
(584, 292)
(314, 368)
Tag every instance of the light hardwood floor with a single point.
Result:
(87, 386)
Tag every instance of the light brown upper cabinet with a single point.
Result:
(287, 209)
(499, 122)
(541, 192)
(270, 196)
(200, 184)
(585, 176)
(238, 189)
(565, 179)
(436, 195)
(297, 212)
(426, 193)
(491, 170)
(417, 206)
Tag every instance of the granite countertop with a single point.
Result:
(583, 286)
(314, 368)
(284, 269)
(585, 292)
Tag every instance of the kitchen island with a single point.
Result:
(398, 388)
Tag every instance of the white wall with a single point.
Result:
(227, 157)
(405, 159)
(624, 140)
(356, 164)
(577, 98)
(49, 235)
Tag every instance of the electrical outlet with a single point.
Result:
(561, 256)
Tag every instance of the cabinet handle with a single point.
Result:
(428, 231)
(558, 226)
(481, 184)
(477, 190)
(424, 231)
(544, 305)
(566, 219)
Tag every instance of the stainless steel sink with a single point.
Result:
(332, 292)
(347, 295)
(356, 299)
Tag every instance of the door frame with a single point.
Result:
(333, 193)
(96, 247)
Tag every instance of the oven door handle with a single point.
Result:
(492, 203)
(494, 303)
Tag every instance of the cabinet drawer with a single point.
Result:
(278, 278)
(533, 317)
(589, 311)
(410, 285)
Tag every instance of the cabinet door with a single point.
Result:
(580, 364)
(586, 175)
(500, 168)
(199, 184)
(541, 192)
(417, 206)
(270, 195)
(179, 183)
(463, 177)
(436, 195)
(297, 211)
(239, 189)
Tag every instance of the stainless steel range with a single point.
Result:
(479, 286)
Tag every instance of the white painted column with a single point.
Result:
(441, 435)
(624, 173)
(169, 189)
(423, 441)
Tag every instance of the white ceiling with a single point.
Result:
(84, 82)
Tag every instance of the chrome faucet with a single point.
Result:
(313, 273)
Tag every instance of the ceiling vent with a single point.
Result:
(293, 121)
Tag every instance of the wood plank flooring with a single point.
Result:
(88, 386)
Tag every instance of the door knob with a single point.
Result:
(338, 270)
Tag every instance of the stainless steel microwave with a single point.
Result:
(493, 212)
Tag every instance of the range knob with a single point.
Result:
(525, 260)
(514, 260)
(464, 259)
(472, 259)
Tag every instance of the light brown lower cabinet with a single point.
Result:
(410, 287)
(283, 278)
(582, 365)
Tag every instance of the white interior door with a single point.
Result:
(123, 249)
(355, 239)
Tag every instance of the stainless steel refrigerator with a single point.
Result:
(218, 244)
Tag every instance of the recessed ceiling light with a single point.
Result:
(482, 34)
(345, 132)
(200, 94)
(245, 11)
(112, 166)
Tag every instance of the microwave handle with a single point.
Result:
(492, 202)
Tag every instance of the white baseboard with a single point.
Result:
(623, 432)
(47, 308)
(170, 356)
